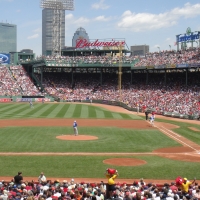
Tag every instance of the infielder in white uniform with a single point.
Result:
(152, 118)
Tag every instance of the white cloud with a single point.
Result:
(33, 36)
(18, 11)
(137, 22)
(101, 18)
(100, 5)
(69, 17)
(187, 11)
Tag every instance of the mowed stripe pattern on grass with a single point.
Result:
(58, 110)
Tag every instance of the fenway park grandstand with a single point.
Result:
(167, 82)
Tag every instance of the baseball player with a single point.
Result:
(138, 108)
(75, 126)
(31, 104)
(151, 119)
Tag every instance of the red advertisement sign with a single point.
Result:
(5, 100)
(41, 99)
(82, 43)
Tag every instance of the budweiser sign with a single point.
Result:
(82, 43)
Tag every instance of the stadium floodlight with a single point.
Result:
(57, 6)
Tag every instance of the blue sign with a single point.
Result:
(189, 36)
(194, 65)
(4, 58)
(186, 38)
(182, 65)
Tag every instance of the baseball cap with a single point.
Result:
(185, 179)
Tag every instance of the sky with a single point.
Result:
(152, 22)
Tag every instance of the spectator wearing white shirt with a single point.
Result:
(42, 178)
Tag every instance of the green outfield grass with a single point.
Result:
(111, 139)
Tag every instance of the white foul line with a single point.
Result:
(175, 137)
(171, 131)
(179, 140)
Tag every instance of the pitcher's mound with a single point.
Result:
(78, 137)
(124, 161)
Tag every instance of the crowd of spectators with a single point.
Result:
(174, 97)
(72, 190)
(172, 57)
(15, 81)
(8, 86)
(24, 81)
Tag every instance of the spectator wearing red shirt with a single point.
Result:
(173, 187)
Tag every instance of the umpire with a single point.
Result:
(146, 114)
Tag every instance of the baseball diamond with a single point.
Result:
(123, 139)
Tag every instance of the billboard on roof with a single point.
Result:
(4, 58)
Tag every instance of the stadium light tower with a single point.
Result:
(120, 72)
(57, 6)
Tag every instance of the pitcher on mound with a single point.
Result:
(75, 126)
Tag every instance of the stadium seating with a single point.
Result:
(60, 190)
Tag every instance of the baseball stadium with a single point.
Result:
(137, 119)
(113, 131)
